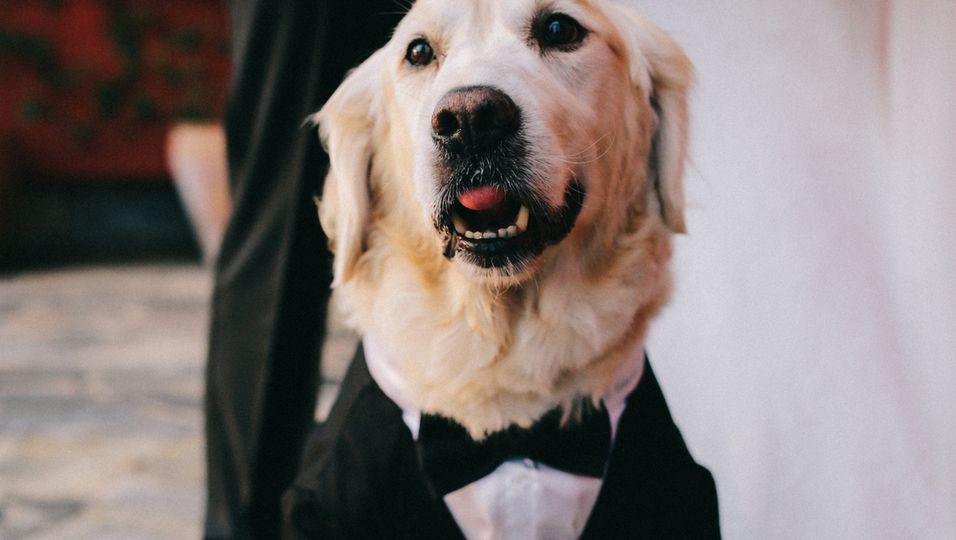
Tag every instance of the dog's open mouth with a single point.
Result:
(492, 227)
(488, 213)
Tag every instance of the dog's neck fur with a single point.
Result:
(489, 357)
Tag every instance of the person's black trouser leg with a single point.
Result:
(272, 277)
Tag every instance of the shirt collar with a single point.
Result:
(383, 367)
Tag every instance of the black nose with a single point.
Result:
(474, 119)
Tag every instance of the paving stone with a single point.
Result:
(101, 401)
(24, 517)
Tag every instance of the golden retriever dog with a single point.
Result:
(504, 182)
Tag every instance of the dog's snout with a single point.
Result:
(474, 119)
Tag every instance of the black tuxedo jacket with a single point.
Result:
(360, 475)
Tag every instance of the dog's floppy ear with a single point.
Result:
(346, 126)
(660, 67)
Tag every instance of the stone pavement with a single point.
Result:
(100, 402)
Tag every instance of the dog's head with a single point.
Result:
(496, 132)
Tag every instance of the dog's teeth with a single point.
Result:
(460, 226)
(522, 222)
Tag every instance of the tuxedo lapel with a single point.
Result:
(360, 476)
(653, 488)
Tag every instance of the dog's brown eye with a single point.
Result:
(559, 31)
(419, 53)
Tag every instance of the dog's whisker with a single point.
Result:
(564, 160)
(590, 146)
(568, 159)
(606, 150)
(406, 5)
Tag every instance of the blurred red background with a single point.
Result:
(90, 87)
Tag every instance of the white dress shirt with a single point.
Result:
(521, 499)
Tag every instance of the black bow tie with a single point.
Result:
(451, 459)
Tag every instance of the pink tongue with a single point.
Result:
(482, 198)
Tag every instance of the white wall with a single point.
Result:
(809, 352)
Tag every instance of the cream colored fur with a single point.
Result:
(482, 347)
